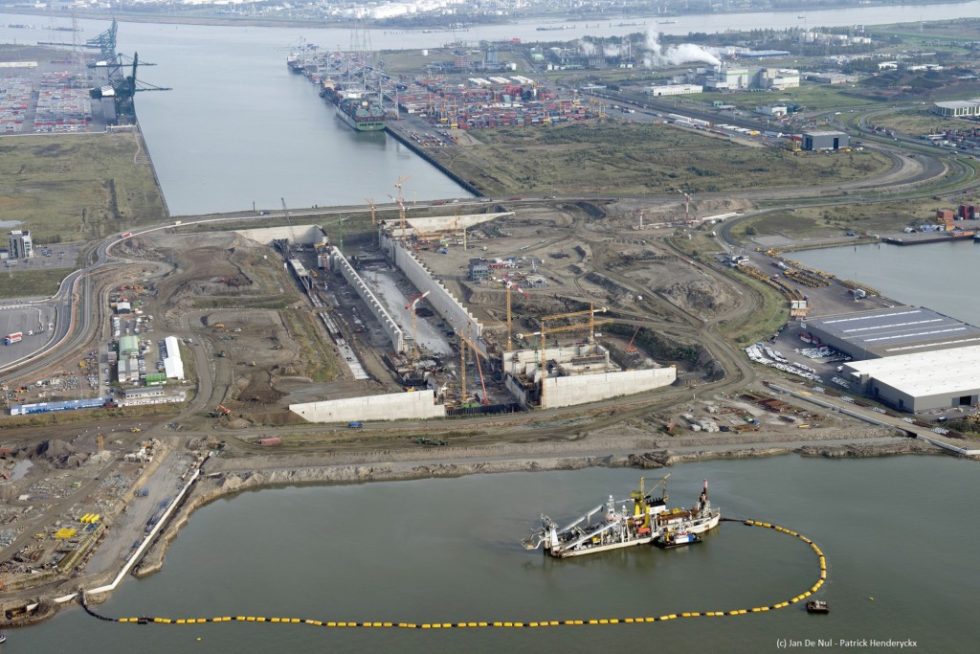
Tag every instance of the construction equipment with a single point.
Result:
(464, 341)
(135, 430)
(223, 410)
(508, 285)
(412, 304)
(545, 330)
(632, 348)
(289, 221)
(371, 205)
(399, 184)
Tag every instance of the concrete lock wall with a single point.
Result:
(444, 223)
(303, 234)
(390, 327)
(448, 307)
(580, 389)
(417, 405)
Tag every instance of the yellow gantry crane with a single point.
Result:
(589, 324)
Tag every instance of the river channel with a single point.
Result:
(238, 129)
(899, 535)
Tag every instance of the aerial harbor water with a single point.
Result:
(941, 276)
(238, 129)
(898, 550)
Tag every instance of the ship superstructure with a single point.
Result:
(640, 520)
(612, 525)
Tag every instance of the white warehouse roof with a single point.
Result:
(924, 374)
(173, 364)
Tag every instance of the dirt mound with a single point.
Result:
(58, 453)
(697, 295)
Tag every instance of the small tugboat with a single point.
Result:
(620, 525)
(696, 520)
(817, 606)
(670, 539)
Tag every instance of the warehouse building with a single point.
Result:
(937, 379)
(822, 141)
(891, 332)
(957, 108)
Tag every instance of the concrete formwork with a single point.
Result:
(417, 405)
(448, 307)
(581, 389)
(388, 324)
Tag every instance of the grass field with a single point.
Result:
(35, 283)
(634, 159)
(76, 187)
(815, 222)
(917, 122)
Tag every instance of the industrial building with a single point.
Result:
(957, 108)
(151, 395)
(817, 141)
(922, 381)
(50, 407)
(21, 244)
(890, 332)
(675, 89)
(172, 363)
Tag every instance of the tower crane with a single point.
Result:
(412, 304)
(545, 330)
(400, 184)
(508, 285)
(371, 205)
(687, 206)
(289, 221)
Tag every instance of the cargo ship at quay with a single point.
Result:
(642, 519)
(342, 79)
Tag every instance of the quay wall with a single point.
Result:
(580, 389)
(388, 324)
(417, 405)
(442, 300)
(414, 147)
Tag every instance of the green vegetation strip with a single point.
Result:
(500, 624)
(637, 159)
(33, 283)
(77, 187)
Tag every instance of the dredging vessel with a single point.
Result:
(640, 520)
(675, 525)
